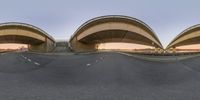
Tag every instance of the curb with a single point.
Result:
(159, 59)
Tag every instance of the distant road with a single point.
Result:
(97, 76)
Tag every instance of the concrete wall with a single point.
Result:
(47, 46)
(77, 46)
(61, 47)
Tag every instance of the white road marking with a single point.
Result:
(24, 57)
(29, 60)
(36, 63)
(101, 58)
(88, 64)
(158, 59)
(3, 53)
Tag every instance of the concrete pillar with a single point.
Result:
(157, 50)
(77, 46)
(47, 46)
(38, 48)
(174, 50)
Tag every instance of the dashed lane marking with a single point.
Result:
(24, 57)
(88, 64)
(29, 60)
(101, 58)
(36, 63)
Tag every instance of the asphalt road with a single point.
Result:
(102, 76)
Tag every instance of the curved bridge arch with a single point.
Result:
(113, 28)
(38, 40)
(188, 37)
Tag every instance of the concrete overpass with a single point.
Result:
(37, 39)
(187, 37)
(112, 28)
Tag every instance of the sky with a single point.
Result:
(61, 18)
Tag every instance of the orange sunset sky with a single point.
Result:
(12, 46)
(104, 46)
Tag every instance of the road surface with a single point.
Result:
(100, 76)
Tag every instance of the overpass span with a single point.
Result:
(37, 39)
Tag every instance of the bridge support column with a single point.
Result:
(82, 47)
(174, 50)
(47, 46)
(157, 50)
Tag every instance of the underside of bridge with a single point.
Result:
(115, 28)
(189, 36)
(36, 39)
